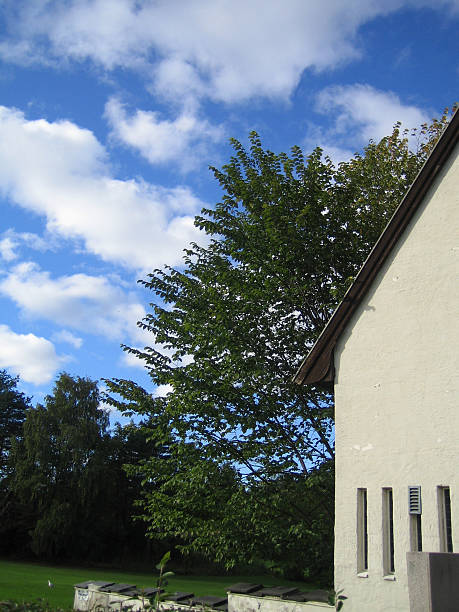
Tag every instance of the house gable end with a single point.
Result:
(318, 366)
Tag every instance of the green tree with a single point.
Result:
(53, 463)
(111, 493)
(230, 328)
(13, 408)
(72, 495)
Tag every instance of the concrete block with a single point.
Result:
(433, 581)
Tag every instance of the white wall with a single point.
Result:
(248, 603)
(397, 398)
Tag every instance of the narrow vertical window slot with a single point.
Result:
(444, 519)
(362, 531)
(416, 532)
(415, 511)
(388, 532)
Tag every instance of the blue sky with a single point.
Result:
(111, 112)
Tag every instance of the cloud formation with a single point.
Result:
(65, 336)
(61, 171)
(90, 304)
(227, 50)
(365, 112)
(11, 241)
(8, 248)
(31, 357)
(361, 113)
(184, 140)
(162, 390)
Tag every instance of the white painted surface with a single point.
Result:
(92, 599)
(248, 603)
(397, 398)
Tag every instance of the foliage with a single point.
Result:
(229, 330)
(56, 459)
(13, 406)
(39, 605)
(28, 581)
(336, 599)
(162, 581)
(76, 501)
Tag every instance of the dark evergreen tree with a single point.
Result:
(72, 496)
(13, 408)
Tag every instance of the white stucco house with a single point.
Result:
(391, 350)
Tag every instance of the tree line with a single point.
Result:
(235, 462)
(63, 491)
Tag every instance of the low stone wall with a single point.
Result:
(250, 603)
(107, 596)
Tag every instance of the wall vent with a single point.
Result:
(414, 500)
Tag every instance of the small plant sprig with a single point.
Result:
(162, 580)
(153, 604)
(336, 599)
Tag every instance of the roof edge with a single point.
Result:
(318, 366)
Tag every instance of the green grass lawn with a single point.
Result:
(28, 581)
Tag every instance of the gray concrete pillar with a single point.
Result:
(433, 581)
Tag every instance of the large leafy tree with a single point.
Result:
(13, 409)
(249, 472)
(55, 461)
(72, 496)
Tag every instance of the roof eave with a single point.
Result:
(318, 366)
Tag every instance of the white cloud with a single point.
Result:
(103, 389)
(90, 304)
(367, 111)
(336, 154)
(32, 357)
(66, 336)
(229, 50)
(12, 241)
(361, 113)
(8, 248)
(184, 140)
(162, 390)
(132, 361)
(60, 171)
(36, 242)
(111, 410)
(177, 80)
